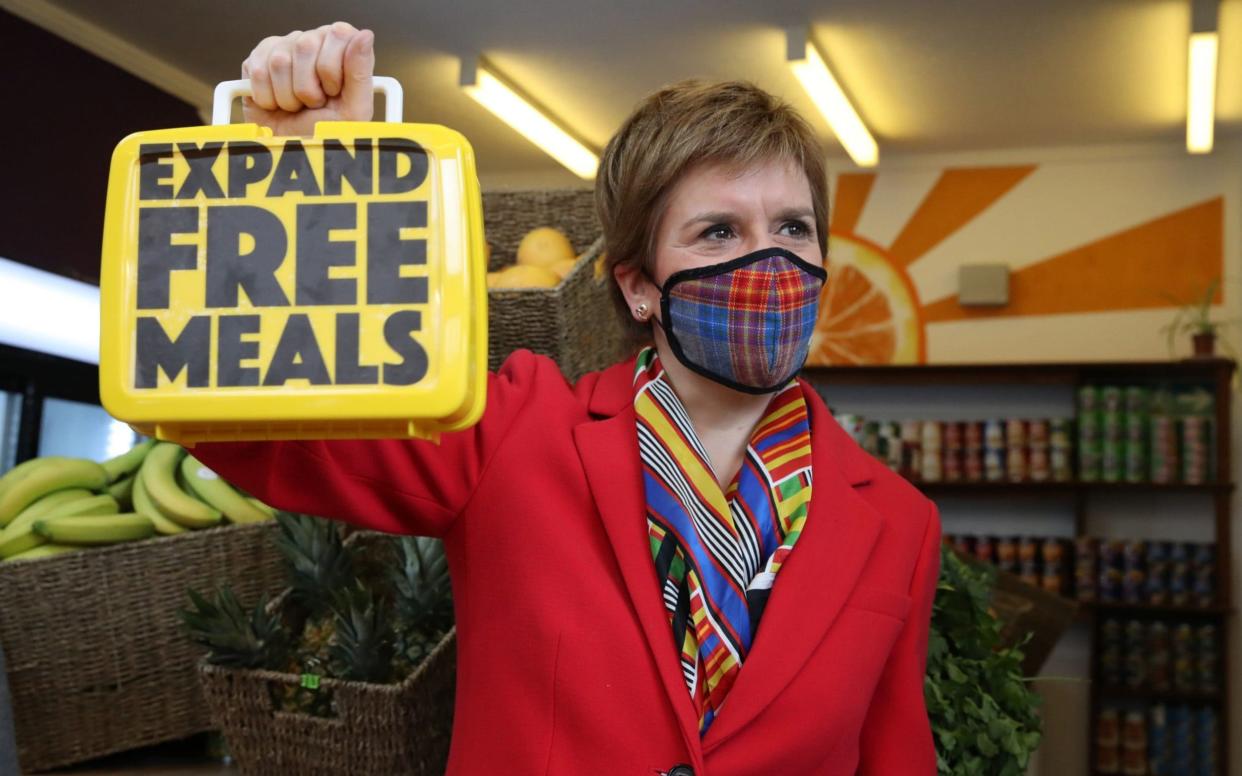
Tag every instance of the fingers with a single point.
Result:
(357, 93)
(305, 81)
(305, 69)
(256, 69)
(280, 70)
(330, 64)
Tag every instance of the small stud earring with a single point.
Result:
(640, 312)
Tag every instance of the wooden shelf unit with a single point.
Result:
(1213, 374)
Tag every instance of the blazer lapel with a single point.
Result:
(815, 580)
(609, 452)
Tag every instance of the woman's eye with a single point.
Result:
(718, 232)
(799, 229)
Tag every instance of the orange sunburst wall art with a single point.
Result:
(871, 309)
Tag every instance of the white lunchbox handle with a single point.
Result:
(227, 91)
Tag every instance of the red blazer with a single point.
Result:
(566, 659)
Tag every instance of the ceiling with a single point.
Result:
(926, 75)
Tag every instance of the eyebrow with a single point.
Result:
(726, 217)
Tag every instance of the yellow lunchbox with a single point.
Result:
(256, 287)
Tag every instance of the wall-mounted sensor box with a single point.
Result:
(983, 285)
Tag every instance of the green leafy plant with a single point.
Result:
(983, 712)
(1193, 317)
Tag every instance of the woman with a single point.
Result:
(643, 582)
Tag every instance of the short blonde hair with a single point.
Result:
(677, 128)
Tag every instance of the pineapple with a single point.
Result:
(234, 638)
(423, 605)
(362, 650)
(319, 566)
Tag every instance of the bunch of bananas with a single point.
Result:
(53, 505)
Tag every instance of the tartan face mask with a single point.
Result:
(744, 323)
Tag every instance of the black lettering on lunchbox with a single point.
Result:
(349, 367)
(317, 253)
(230, 247)
(397, 333)
(387, 252)
(191, 351)
(248, 163)
(293, 173)
(339, 164)
(200, 178)
(233, 350)
(158, 256)
(392, 151)
(154, 167)
(228, 268)
(297, 355)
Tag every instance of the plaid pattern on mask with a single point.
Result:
(751, 325)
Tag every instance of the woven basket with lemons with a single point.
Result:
(546, 288)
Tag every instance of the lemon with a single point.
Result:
(563, 267)
(523, 276)
(544, 247)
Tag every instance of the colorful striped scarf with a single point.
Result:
(717, 552)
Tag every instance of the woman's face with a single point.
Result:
(717, 213)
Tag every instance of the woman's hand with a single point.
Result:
(305, 77)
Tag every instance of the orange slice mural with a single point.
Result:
(871, 312)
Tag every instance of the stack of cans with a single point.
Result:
(1154, 573)
(1038, 461)
(1134, 744)
(1108, 741)
(972, 464)
(1197, 409)
(1090, 433)
(1016, 463)
(1135, 421)
(1134, 577)
(932, 452)
(1196, 449)
(1112, 570)
(1060, 449)
(1159, 657)
(954, 449)
(1207, 742)
(1086, 572)
(1162, 439)
(1159, 742)
(1039, 561)
(911, 466)
(994, 469)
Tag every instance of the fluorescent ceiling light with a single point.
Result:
(492, 92)
(813, 73)
(49, 313)
(1201, 92)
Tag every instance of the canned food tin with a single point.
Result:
(1007, 554)
(985, 549)
(1052, 550)
(953, 437)
(1016, 464)
(1059, 465)
(994, 434)
(932, 436)
(1111, 398)
(1015, 432)
(972, 466)
(973, 432)
(1137, 398)
(994, 465)
(1088, 398)
(1060, 431)
(1037, 433)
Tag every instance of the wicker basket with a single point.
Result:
(378, 730)
(573, 323)
(97, 658)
